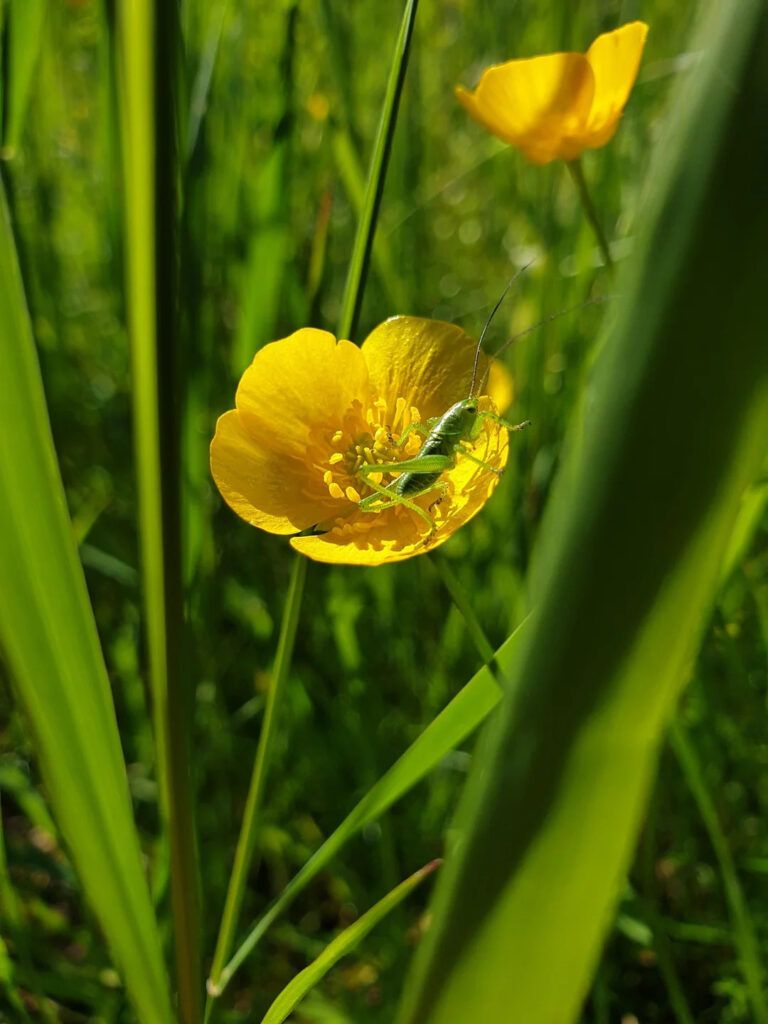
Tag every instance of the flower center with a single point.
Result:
(376, 435)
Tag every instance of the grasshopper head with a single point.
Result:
(465, 413)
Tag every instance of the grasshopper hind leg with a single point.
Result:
(373, 502)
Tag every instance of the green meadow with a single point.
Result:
(227, 771)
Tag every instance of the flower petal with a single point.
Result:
(302, 382)
(377, 538)
(426, 362)
(267, 489)
(500, 386)
(534, 103)
(614, 58)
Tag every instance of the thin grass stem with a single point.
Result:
(361, 251)
(249, 827)
(10, 913)
(461, 599)
(10, 927)
(576, 171)
(662, 944)
(745, 937)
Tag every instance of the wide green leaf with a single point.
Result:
(631, 553)
(25, 29)
(48, 639)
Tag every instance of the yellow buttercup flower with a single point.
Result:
(311, 410)
(555, 106)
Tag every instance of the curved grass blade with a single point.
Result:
(147, 48)
(344, 943)
(48, 638)
(633, 547)
(452, 726)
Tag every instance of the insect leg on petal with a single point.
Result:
(374, 503)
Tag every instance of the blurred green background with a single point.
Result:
(276, 129)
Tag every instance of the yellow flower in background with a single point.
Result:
(310, 410)
(555, 106)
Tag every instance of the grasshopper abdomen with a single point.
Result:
(444, 438)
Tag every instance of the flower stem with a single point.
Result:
(357, 274)
(461, 599)
(247, 839)
(577, 173)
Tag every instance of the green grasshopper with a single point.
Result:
(446, 438)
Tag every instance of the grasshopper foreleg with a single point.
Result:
(494, 418)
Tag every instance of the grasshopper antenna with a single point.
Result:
(488, 322)
(596, 301)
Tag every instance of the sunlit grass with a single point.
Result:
(278, 108)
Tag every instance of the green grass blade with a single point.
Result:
(270, 248)
(48, 638)
(8, 985)
(146, 36)
(361, 252)
(343, 944)
(751, 512)
(743, 929)
(10, 927)
(201, 88)
(264, 274)
(452, 726)
(632, 550)
(351, 175)
(25, 28)
(247, 837)
(10, 913)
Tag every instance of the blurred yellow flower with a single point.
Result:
(555, 106)
(310, 410)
